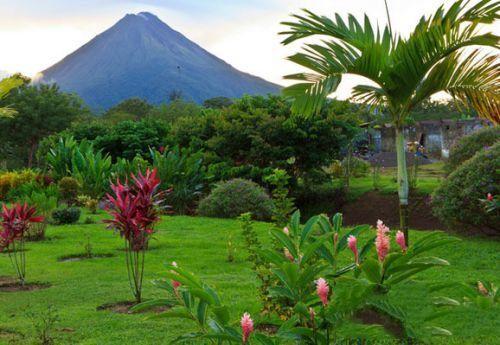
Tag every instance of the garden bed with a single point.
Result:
(372, 206)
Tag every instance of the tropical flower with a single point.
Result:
(352, 243)
(382, 242)
(400, 240)
(322, 290)
(286, 231)
(489, 197)
(246, 326)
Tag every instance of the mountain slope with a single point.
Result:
(140, 56)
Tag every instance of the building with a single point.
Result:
(437, 136)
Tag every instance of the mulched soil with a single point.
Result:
(372, 317)
(123, 307)
(10, 284)
(9, 336)
(389, 159)
(80, 257)
(372, 206)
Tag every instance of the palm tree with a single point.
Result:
(403, 71)
(6, 85)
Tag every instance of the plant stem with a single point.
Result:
(402, 182)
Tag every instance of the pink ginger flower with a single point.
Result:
(286, 231)
(175, 283)
(246, 326)
(322, 290)
(382, 242)
(489, 197)
(400, 240)
(352, 243)
(288, 255)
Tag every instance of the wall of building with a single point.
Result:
(436, 136)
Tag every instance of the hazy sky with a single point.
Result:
(34, 34)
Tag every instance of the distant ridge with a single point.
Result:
(141, 56)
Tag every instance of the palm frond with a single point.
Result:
(371, 95)
(7, 112)
(310, 95)
(436, 37)
(8, 84)
(474, 80)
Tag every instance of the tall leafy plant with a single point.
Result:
(403, 71)
(16, 221)
(92, 170)
(183, 171)
(134, 213)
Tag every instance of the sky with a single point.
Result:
(35, 34)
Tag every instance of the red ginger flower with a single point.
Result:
(15, 222)
(489, 197)
(322, 290)
(246, 326)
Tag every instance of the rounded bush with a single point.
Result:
(68, 189)
(458, 198)
(232, 198)
(469, 145)
(69, 215)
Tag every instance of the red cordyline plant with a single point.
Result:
(16, 221)
(135, 211)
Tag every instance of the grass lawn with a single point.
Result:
(199, 244)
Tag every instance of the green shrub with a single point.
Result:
(67, 215)
(458, 199)
(232, 198)
(68, 189)
(358, 167)
(13, 179)
(467, 146)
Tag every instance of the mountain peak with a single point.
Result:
(141, 56)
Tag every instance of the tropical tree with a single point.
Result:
(403, 71)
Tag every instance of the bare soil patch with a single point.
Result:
(80, 257)
(9, 336)
(372, 206)
(372, 317)
(123, 307)
(9, 284)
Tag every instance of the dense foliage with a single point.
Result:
(41, 111)
(469, 145)
(232, 198)
(458, 198)
(258, 133)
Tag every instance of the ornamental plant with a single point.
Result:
(16, 222)
(319, 294)
(135, 210)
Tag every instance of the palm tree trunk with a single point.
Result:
(402, 182)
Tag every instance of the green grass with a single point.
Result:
(429, 178)
(199, 244)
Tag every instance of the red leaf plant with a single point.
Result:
(134, 210)
(16, 221)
